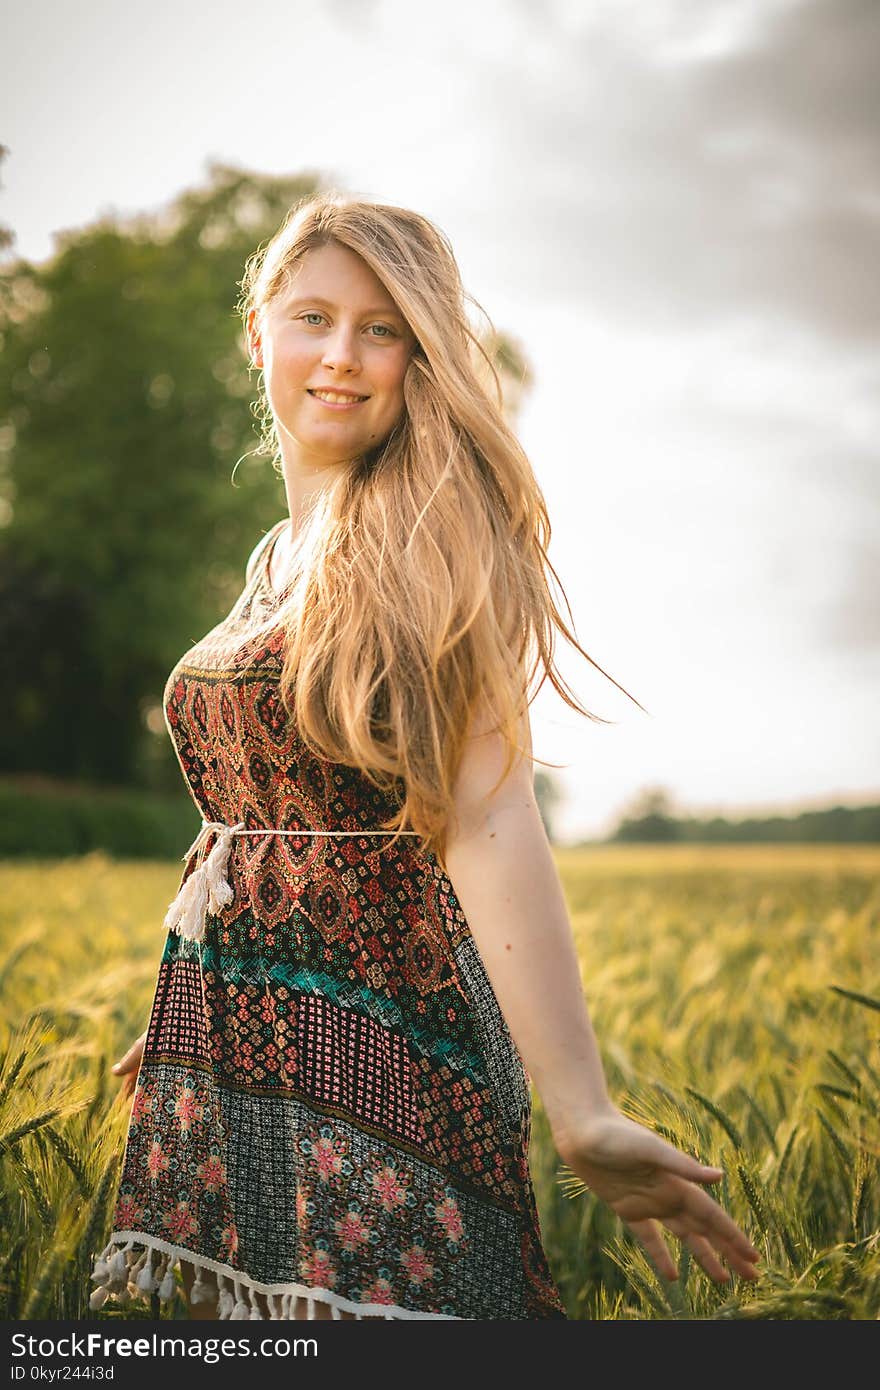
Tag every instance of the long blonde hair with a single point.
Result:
(419, 590)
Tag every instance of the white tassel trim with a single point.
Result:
(146, 1280)
(226, 1302)
(207, 888)
(240, 1310)
(203, 1290)
(123, 1272)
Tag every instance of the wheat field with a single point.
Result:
(735, 992)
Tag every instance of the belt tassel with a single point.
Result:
(206, 889)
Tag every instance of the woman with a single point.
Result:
(331, 1115)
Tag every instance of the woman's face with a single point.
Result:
(334, 329)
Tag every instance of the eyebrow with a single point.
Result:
(316, 299)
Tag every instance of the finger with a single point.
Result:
(705, 1256)
(703, 1215)
(125, 1088)
(736, 1249)
(131, 1058)
(648, 1233)
(653, 1149)
(674, 1161)
(742, 1263)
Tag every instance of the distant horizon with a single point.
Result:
(732, 815)
(850, 801)
(821, 802)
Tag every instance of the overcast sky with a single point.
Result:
(674, 205)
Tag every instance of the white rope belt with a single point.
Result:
(207, 888)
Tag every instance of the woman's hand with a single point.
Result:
(646, 1181)
(129, 1065)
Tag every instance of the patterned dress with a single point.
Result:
(330, 1105)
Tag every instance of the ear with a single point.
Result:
(255, 343)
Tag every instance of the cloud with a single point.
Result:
(640, 176)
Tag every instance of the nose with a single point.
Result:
(341, 351)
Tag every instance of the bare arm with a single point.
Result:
(502, 868)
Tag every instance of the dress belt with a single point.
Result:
(207, 888)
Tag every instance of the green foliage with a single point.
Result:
(724, 989)
(41, 819)
(124, 408)
(723, 984)
(80, 943)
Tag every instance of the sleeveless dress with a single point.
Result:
(330, 1106)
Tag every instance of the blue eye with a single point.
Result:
(384, 330)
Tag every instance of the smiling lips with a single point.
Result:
(338, 400)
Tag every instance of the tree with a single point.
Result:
(125, 403)
(514, 372)
(7, 236)
(649, 818)
(548, 795)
